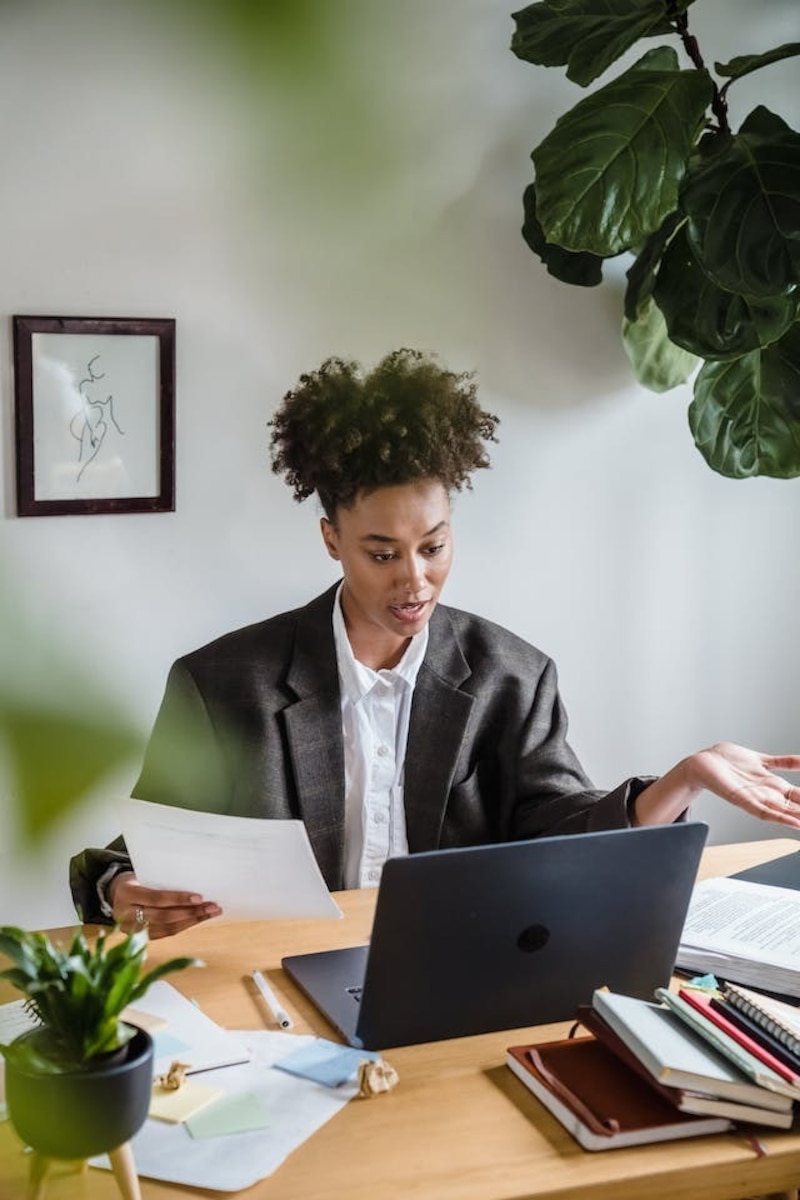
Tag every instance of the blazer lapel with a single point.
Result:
(314, 732)
(439, 716)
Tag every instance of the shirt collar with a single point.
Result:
(356, 678)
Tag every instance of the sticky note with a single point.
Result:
(181, 1103)
(708, 982)
(325, 1062)
(165, 1044)
(144, 1020)
(239, 1113)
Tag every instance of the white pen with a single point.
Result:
(271, 1001)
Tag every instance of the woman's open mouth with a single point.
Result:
(409, 612)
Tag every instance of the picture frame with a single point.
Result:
(94, 415)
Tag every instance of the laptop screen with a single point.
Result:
(472, 940)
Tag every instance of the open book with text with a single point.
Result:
(745, 932)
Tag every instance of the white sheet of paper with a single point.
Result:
(187, 1033)
(296, 1108)
(252, 868)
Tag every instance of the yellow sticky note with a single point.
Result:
(182, 1102)
(144, 1020)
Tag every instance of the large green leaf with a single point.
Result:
(743, 208)
(746, 63)
(58, 756)
(657, 362)
(641, 275)
(709, 321)
(745, 415)
(587, 35)
(581, 268)
(608, 174)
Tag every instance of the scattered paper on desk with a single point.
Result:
(296, 1108)
(181, 1103)
(240, 1113)
(14, 1020)
(328, 1063)
(252, 868)
(186, 1032)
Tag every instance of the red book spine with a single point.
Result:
(702, 1002)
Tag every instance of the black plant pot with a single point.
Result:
(86, 1111)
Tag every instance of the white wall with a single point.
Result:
(353, 212)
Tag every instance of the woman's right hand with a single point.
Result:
(161, 912)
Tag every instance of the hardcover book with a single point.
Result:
(709, 1007)
(676, 1055)
(685, 1100)
(750, 1065)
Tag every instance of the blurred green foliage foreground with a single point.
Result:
(61, 731)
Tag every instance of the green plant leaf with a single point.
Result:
(80, 751)
(608, 174)
(708, 321)
(657, 362)
(746, 63)
(642, 275)
(78, 995)
(587, 35)
(581, 268)
(745, 415)
(743, 208)
(174, 964)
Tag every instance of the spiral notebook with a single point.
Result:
(780, 1020)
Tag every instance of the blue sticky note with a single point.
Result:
(325, 1062)
(707, 982)
(166, 1044)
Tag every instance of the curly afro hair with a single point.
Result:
(340, 432)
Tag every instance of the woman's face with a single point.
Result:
(395, 547)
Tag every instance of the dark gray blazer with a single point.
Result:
(251, 725)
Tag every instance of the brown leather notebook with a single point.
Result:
(600, 1100)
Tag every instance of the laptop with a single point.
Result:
(781, 872)
(477, 939)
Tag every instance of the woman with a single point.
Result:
(388, 722)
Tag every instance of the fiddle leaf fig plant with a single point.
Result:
(77, 995)
(647, 165)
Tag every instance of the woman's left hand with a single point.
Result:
(746, 778)
(743, 777)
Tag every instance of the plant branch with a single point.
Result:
(718, 104)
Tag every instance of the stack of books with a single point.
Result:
(695, 1062)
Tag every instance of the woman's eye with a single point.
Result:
(433, 550)
(382, 556)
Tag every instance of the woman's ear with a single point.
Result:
(330, 537)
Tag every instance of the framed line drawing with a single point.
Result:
(94, 415)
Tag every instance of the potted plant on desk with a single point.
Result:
(79, 1082)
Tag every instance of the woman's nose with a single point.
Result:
(413, 575)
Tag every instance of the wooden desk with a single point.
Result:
(459, 1126)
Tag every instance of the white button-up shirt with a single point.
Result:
(376, 707)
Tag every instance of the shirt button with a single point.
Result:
(383, 751)
(373, 874)
(379, 818)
